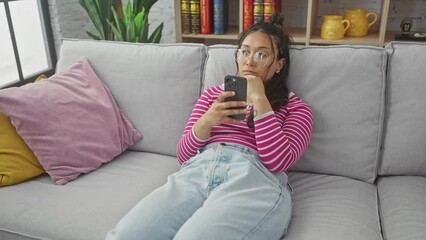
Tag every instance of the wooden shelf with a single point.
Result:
(308, 35)
(231, 34)
(370, 39)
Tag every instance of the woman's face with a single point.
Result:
(257, 56)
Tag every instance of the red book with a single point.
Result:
(247, 14)
(270, 7)
(206, 16)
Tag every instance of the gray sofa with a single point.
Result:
(363, 176)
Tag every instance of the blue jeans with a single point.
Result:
(224, 192)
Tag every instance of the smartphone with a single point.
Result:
(237, 84)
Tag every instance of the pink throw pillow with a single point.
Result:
(70, 121)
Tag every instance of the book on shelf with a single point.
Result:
(220, 16)
(247, 14)
(195, 16)
(270, 7)
(186, 16)
(258, 6)
(206, 16)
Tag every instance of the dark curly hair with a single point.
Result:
(276, 89)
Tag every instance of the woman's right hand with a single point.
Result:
(217, 114)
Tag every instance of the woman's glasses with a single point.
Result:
(260, 58)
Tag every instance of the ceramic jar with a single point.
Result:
(334, 27)
(360, 23)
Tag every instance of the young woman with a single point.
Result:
(233, 182)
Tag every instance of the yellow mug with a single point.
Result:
(360, 23)
(334, 27)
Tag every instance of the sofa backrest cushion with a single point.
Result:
(404, 151)
(220, 62)
(344, 85)
(156, 85)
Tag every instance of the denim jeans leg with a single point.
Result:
(249, 204)
(162, 213)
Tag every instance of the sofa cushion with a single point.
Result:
(333, 208)
(70, 121)
(402, 207)
(157, 94)
(344, 85)
(85, 208)
(17, 162)
(220, 62)
(346, 140)
(404, 144)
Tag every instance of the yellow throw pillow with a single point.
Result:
(17, 162)
(41, 77)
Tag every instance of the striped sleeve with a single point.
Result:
(281, 143)
(189, 143)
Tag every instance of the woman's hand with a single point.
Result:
(256, 95)
(255, 88)
(217, 114)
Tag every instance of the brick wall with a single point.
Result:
(407, 8)
(69, 20)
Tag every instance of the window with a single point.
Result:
(26, 41)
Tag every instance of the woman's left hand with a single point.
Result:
(255, 88)
(256, 95)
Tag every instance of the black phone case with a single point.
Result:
(237, 84)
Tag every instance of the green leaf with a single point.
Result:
(118, 28)
(128, 14)
(117, 34)
(93, 36)
(114, 22)
(92, 11)
(147, 4)
(138, 21)
(100, 18)
(143, 36)
(104, 7)
(139, 25)
(156, 35)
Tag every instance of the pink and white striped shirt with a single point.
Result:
(279, 137)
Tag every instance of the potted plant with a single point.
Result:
(113, 22)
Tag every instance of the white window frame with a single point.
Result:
(50, 45)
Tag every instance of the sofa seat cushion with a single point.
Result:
(403, 207)
(329, 207)
(156, 85)
(85, 208)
